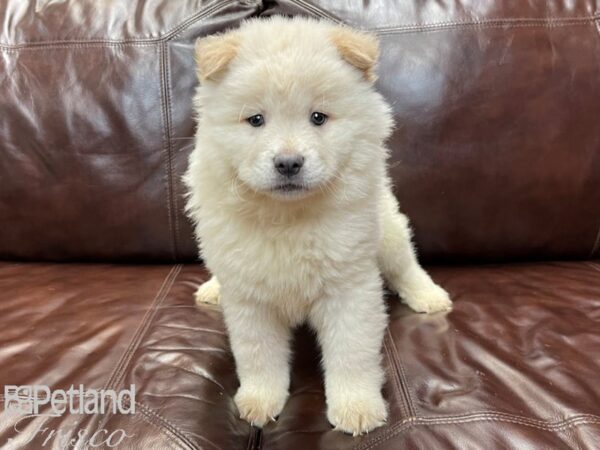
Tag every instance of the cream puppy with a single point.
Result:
(294, 213)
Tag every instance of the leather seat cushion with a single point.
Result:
(514, 364)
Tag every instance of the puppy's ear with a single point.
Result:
(358, 49)
(214, 53)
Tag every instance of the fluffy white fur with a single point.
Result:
(282, 258)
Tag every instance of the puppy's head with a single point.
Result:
(289, 105)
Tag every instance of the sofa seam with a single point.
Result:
(174, 274)
(395, 379)
(149, 414)
(506, 21)
(170, 143)
(159, 423)
(316, 10)
(400, 427)
(402, 378)
(425, 424)
(593, 265)
(403, 29)
(78, 45)
(115, 378)
(481, 25)
(183, 26)
(172, 428)
(166, 35)
(165, 428)
(168, 433)
(168, 132)
(118, 372)
(543, 424)
(167, 148)
(255, 439)
(414, 27)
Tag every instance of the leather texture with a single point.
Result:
(95, 100)
(495, 154)
(513, 366)
(495, 158)
(108, 327)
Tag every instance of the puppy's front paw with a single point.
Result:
(259, 406)
(208, 292)
(428, 300)
(357, 414)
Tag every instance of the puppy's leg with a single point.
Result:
(208, 292)
(350, 327)
(261, 346)
(399, 265)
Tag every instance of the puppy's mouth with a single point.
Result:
(289, 188)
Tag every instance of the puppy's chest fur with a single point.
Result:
(289, 264)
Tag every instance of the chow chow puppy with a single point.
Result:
(294, 213)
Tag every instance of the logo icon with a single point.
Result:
(19, 399)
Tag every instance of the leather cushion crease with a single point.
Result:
(495, 158)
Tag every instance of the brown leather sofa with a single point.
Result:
(496, 160)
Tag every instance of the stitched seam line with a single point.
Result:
(480, 417)
(143, 330)
(168, 35)
(315, 10)
(399, 377)
(255, 439)
(404, 379)
(174, 192)
(507, 416)
(396, 380)
(168, 148)
(479, 25)
(593, 265)
(154, 416)
(412, 412)
(76, 45)
(158, 422)
(168, 433)
(508, 22)
(177, 30)
(115, 377)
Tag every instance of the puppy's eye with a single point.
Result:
(256, 121)
(318, 118)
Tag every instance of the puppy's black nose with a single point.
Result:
(288, 165)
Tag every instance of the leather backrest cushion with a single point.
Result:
(96, 125)
(495, 156)
(496, 153)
